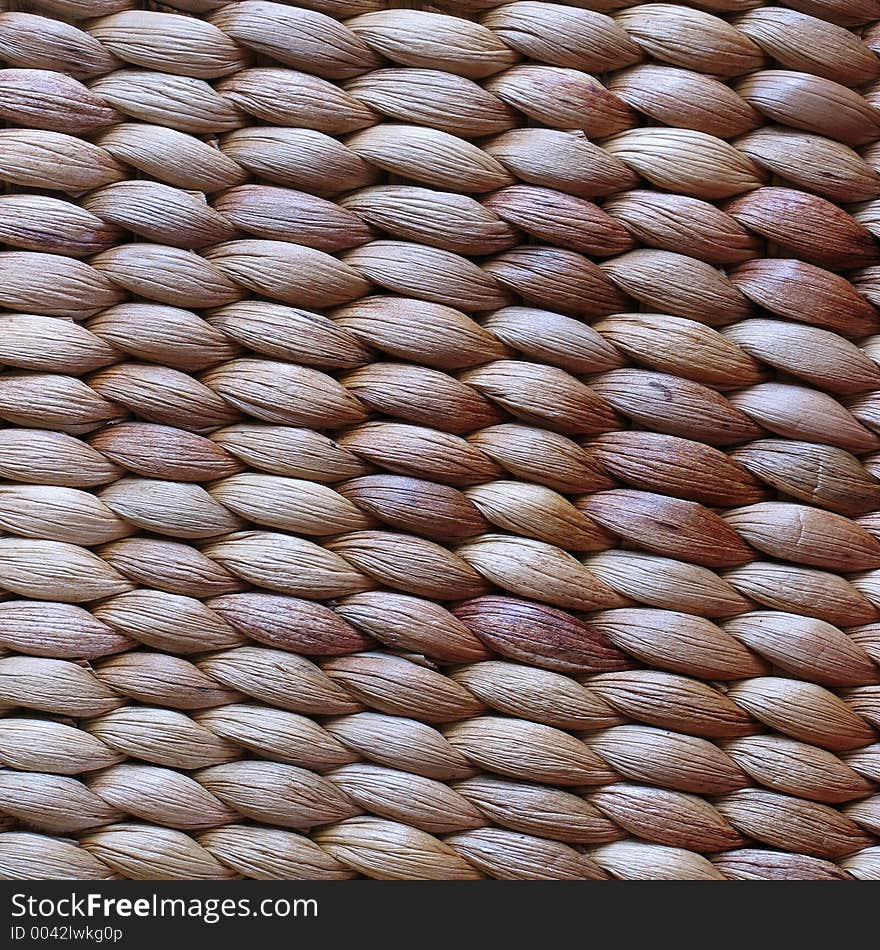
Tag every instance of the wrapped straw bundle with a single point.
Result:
(440, 441)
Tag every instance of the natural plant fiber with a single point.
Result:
(440, 442)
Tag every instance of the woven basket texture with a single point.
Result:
(440, 442)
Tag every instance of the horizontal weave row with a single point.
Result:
(440, 443)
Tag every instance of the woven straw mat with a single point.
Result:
(440, 442)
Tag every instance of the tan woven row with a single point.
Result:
(440, 443)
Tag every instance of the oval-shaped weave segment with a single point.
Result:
(440, 441)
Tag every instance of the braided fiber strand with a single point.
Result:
(440, 442)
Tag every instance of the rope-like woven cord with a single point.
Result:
(440, 443)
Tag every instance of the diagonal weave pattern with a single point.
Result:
(442, 442)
